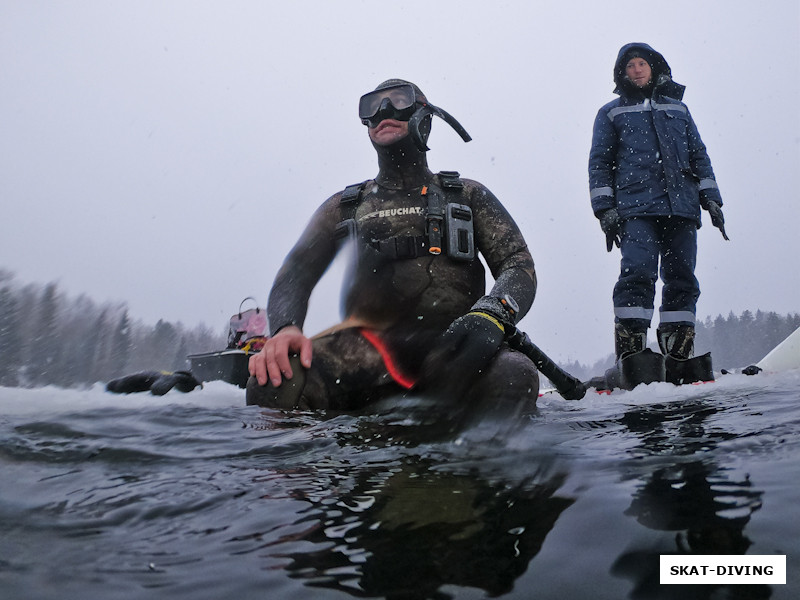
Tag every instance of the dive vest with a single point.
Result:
(448, 224)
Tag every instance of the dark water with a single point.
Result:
(196, 496)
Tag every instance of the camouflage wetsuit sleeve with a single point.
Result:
(502, 245)
(303, 268)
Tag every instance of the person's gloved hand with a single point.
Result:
(610, 223)
(717, 218)
(466, 347)
(472, 340)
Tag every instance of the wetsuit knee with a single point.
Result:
(510, 384)
(286, 396)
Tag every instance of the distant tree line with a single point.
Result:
(47, 338)
(734, 341)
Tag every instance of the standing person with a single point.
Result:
(649, 176)
(416, 315)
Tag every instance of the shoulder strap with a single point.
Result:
(450, 180)
(459, 228)
(348, 203)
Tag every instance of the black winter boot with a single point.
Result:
(635, 362)
(681, 366)
(676, 341)
(628, 341)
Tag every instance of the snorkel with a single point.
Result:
(427, 110)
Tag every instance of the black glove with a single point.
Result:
(609, 223)
(717, 218)
(467, 346)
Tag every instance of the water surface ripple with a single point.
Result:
(196, 496)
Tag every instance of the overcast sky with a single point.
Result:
(167, 154)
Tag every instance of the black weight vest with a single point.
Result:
(449, 224)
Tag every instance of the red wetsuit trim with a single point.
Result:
(401, 379)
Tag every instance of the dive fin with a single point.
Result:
(157, 382)
(130, 384)
(183, 381)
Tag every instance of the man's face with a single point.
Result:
(638, 71)
(388, 131)
(386, 112)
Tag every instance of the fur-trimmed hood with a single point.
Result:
(662, 74)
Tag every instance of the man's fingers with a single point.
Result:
(305, 353)
(274, 367)
(257, 365)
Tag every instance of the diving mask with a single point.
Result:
(395, 102)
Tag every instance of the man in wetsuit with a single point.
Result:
(416, 314)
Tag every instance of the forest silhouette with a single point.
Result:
(49, 338)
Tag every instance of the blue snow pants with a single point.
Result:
(645, 240)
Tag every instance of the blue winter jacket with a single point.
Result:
(647, 158)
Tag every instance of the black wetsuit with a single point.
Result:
(405, 302)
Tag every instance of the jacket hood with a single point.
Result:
(662, 74)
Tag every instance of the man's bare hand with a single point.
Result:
(272, 363)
